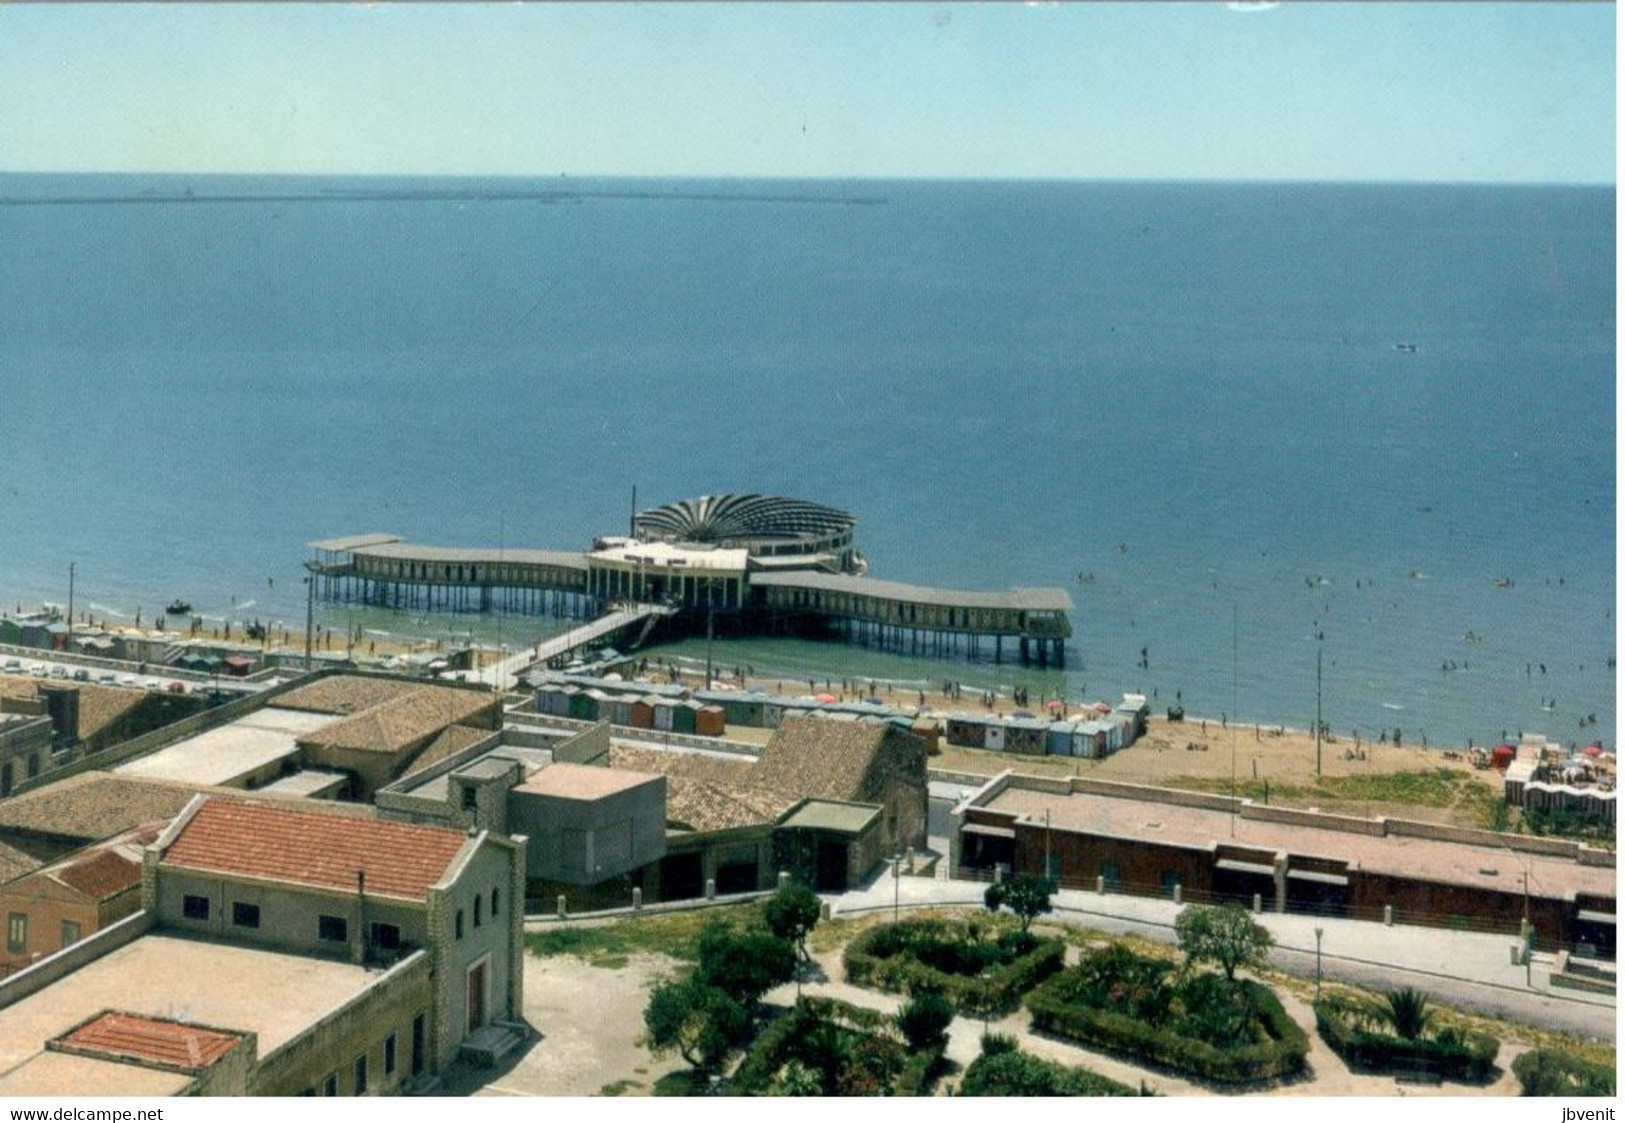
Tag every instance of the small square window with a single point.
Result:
(245, 915)
(334, 928)
(386, 936)
(195, 908)
(70, 933)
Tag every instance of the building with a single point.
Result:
(58, 905)
(317, 952)
(25, 748)
(1146, 841)
(828, 800)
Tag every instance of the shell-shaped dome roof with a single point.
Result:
(719, 518)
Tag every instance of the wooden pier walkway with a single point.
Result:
(503, 675)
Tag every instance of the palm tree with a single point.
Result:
(1408, 1012)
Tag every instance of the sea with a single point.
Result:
(1248, 426)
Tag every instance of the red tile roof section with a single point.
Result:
(314, 848)
(101, 875)
(150, 1039)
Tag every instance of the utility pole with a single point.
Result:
(632, 519)
(310, 611)
(1319, 932)
(1047, 867)
(710, 622)
(71, 566)
(1320, 644)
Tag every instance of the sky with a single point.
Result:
(1293, 91)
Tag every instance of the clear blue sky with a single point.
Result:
(1519, 92)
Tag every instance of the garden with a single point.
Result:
(1209, 1025)
(824, 1047)
(983, 965)
(1004, 1070)
(1399, 1035)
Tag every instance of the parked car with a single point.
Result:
(107, 678)
(59, 671)
(129, 680)
(176, 687)
(14, 666)
(81, 675)
(37, 670)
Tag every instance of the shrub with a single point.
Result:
(1551, 1072)
(1351, 1033)
(829, 1048)
(1028, 896)
(701, 1024)
(792, 913)
(1013, 1073)
(1194, 1034)
(995, 1043)
(975, 975)
(1408, 1012)
(924, 1019)
(744, 964)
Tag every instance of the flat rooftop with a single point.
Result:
(1168, 824)
(222, 755)
(306, 783)
(246, 990)
(823, 815)
(1029, 600)
(478, 555)
(583, 781)
(438, 787)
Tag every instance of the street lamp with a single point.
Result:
(896, 886)
(1319, 932)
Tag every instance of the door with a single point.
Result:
(831, 876)
(476, 996)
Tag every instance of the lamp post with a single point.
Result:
(310, 610)
(71, 566)
(897, 886)
(1319, 932)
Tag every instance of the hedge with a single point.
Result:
(766, 1056)
(1469, 1057)
(1550, 1072)
(879, 958)
(1021, 1074)
(1282, 1055)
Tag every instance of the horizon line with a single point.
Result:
(784, 178)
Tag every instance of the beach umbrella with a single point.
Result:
(825, 698)
(1593, 750)
(1055, 704)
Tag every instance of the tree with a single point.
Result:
(792, 913)
(1226, 936)
(700, 1023)
(1027, 895)
(1407, 1011)
(744, 965)
(924, 1020)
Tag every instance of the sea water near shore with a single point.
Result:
(1189, 392)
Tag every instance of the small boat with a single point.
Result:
(1503, 582)
(1405, 348)
(179, 607)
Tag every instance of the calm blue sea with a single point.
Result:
(1190, 391)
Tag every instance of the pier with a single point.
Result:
(756, 564)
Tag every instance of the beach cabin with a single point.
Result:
(1026, 735)
(1059, 742)
(1090, 739)
(971, 732)
(641, 713)
(582, 707)
(682, 716)
(237, 666)
(710, 721)
(663, 714)
(928, 732)
(772, 714)
(1139, 711)
(620, 711)
(993, 736)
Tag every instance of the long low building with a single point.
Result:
(1149, 841)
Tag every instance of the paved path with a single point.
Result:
(1468, 970)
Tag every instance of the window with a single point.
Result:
(195, 908)
(479, 904)
(245, 915)
(389, 1054)
(420, 1034)
(33, 765)
(5, 778)
(17, 932)
(496, 901)
(70, 933)
(334, 928)
(361, 1075)
(386, 936)
(471, 798)
(459, 924)
(330, 1086)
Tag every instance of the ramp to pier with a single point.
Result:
(504, 674)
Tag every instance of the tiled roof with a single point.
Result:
(823, 759)
(101, 874)
(391, 726)
(155, 1040)
(451, 740)
(344, 694)
(691, 766)
(95, 805)
(314, 848)
(15, 863)
(699, 805)
(99, 706)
